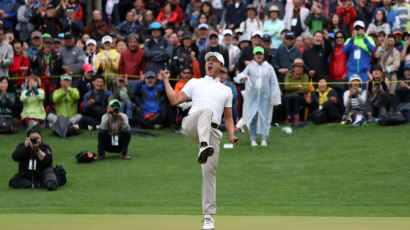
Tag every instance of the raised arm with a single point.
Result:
(174, 99)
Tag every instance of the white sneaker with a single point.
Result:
(264, 143)
(254, 143)
(90, 127)
(209, 224)
(204, 153)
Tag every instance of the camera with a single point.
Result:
(33, 140)
(115, 108)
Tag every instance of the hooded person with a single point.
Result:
(261, 94)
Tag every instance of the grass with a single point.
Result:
(327, 170)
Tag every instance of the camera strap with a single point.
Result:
(112, 126)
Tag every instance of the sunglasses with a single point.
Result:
(339, 37)
(70, 10)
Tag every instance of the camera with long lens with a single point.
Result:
(33, 140)
(115, 108)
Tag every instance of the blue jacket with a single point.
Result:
(10, 8)
(157, 54)
(366, 46)
(148, 99)
(101, 98)
(124, 29)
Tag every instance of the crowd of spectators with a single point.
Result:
(336, 60)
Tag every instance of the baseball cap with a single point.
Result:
(56, 40)
(47, 40)
(258, 49)
(155, 26)
(66, 77)
(67, 35)
(257, 33)
(355, 77)
(266, 38)
(150, 74)
(203, 26)
(273, 8)
(359, 23)
(36, 34)
(88, 67)
(238, 31)
(186, 35)
(397, 31)
(227, 32)
(107, 38)
(217, 55)
(91, 41)
(244, 38)
(213, 33)
(46, 35)
(113, 101)
(406, 66)
(290, 35)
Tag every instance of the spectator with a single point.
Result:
(337, 65)
(139, 11)
(354, 100)
(72, 56)
(114, 135)
(296, 86)
(235, 14)
(233, 51)
(295, 18)
(377, 93)
(97, 28)
(127, 27)
(247, 53)
(186, 75)
(8, 13)
(243, 42)
(185, 55)
(316, 58)
(286, 55)
(32, 98)
(167, 16)
(359, 49)
(7, 101)
(203, 41)
(90, 52)
(66, 101)
(364, 11)
(379, 23)
(389, 59)
(208, 11)
(57, 44)
(262, 93)
(278, 4)
(6, 54)
(73, 24)
(121, 46)
(46, 62)
(274, 26)
(316, 21)
(95, 103)
(35, 164)
(21, 64)
(76, 7)
(192, 12)
(148, 97)
(48, 19)
(402, 94)
(252, 22)
(144, 26)
(335, 25)
(213, 46)
(347, 13)
(403, 10)
(307, 39)
(391, 15)
(108, 60)
(132, 61)
(123, 93)
(157, 50)
(36, 45)
(24, 27)
(323, 103)
(399, 43)
(224, 80)
(178, 10)
(85, 84)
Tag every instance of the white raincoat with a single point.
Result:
(261, 94)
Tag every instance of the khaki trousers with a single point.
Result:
(197, 126)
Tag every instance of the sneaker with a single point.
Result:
(370, 119)
(359, 121)
(264, 143)
(209, 223)
(204, 153)
(254, 143)
(90, 127)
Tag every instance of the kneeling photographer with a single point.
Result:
(114, 135)
(35, 163)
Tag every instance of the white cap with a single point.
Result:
(203, 26)
(227, 32)
(91, 41)
(355, 77)
(257, 33)
(359, 23)
(217, 55)
(106, 38)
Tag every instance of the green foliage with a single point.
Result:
(327, 170)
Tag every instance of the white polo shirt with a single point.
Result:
(209, 93)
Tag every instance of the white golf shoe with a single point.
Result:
(209, 223)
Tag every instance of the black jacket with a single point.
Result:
(314, 104)
(365, 13)
(316, 58)
(23, 156)
(37, 65)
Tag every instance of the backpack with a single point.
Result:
(5, 125)
(85, 157)
(391, 117)
(61, 175)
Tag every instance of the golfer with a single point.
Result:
(210, 100)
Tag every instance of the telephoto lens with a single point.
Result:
(116, 109)
(33, 140)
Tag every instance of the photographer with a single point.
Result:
(114, 135)
(35, 163)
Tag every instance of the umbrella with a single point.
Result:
(60, 127)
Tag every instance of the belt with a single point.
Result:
(214, 125)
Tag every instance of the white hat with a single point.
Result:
(257, 33)
(359, 23)
(201, 26)
(217, 55)
(355, 77)
(107, 38)
(227, 32)
(91, 41)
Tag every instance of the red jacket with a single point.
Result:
(172, 19)
(337, 65)
(132, 63)
(348, 16)
(15, 69)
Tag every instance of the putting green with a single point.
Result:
(159, 222)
